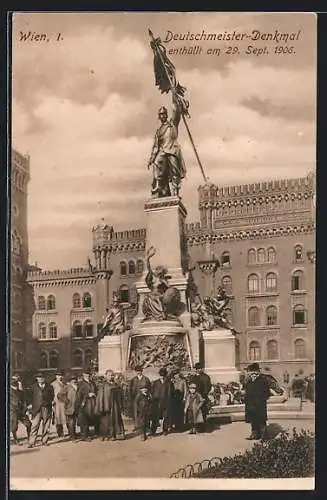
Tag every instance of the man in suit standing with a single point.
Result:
(85, 405)
(18, 408)
(257, 392)
(70, 410)
(138, 383)
(162, 392)
(41, 409)
(59, 388)
(203, 383)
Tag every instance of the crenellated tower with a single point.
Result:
(102, 235)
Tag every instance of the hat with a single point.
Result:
(72, 377)
(197, 366)
(39, 375)
(254, 367)
(60, 372)
(193, 385)
(86, 372)
(138, 368)
(163, 372)
(14, 378)
(163, 109)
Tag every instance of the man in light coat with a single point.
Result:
(59, 388)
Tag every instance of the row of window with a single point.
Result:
(262, 256)
(271, 284)
(80, 359)
(254, 316)
(49, 303)
(79, 330)
(255, 353)
(131, 267)
(18, 360)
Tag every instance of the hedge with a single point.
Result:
(286, 456)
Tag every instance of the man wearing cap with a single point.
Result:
(257, 392)
(70, 406)
(138, 383)
(203, 383)
(41, 409)
(59, 388)
(18, 408)
(162, 392)
(85, 405)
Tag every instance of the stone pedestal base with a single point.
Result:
(110, 354)
(220, 355)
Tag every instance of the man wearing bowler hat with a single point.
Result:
(203, 383)
(162, 392)
(85, 405)
(139, 382)
(257, 393)
(59, 388)
(41, 409)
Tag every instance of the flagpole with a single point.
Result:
(183, 116)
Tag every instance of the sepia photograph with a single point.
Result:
(163, 248)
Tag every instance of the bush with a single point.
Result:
(284, 456)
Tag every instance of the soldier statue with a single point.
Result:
(166, 157)
(114, 323)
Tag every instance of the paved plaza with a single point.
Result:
(158, 457)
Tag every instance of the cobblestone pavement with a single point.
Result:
(158, 457)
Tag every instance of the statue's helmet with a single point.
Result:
(163, 111)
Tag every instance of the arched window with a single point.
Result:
(299, 349)
(271, 282)
(77, 329)
(87, 300)
(78, 358)
(253, 316)
(124, 293)
(226, 283)
(131, 267)
(271, 315)
(299, 315)
(253, 283)
(272, 349)
(298, 253)
(123, 268)
(42, 331)
(140, 266)
(41, 303)
(225, 259)
(88, 328)
(252, 256)
(76, 301)
(51, 302)
(254, 351)
(44, 360)
(19, 360)
(261, 256)
(53, 359)
(53, 330)
(271, 255)
(88, 358)
(298, 280)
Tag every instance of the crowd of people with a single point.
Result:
(174, 402)
(92, 401)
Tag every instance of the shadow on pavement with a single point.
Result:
(23, 450)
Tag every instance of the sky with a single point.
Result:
(84, 108)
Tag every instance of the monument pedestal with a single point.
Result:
(110, 354)
(220, 355)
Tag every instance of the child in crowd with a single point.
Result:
(144, 412)
(192, 410)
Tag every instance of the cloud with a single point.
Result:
(85, 109)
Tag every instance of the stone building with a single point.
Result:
(21, 311)
(257, 240)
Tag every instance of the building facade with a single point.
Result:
(256, 240)
(21, 311)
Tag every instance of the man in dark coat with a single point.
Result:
(138, 383)
(85, 404)
(18, 408)
(162, 392)
(203, 383)
(109, 408)
(257, 392)
(41, 409)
